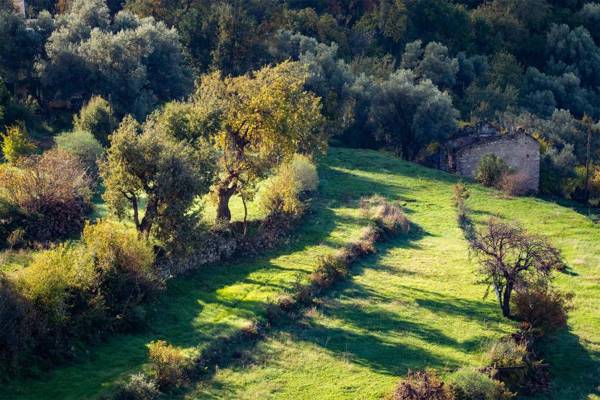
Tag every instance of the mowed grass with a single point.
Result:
(213, 302)
(417, 303)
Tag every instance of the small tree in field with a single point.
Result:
(512, 259)
(263, 120)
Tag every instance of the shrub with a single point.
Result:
(514, 184)
(11, 219)
(543, 309)
(139, 387)
(422, 386)
(16, 144)
(79, 291)
(305, 173)
(171, 366)
(52, 190)
(388, 216)
(125, 269)
(470, 384)
(16, 321)
(490, 170)
(97, 118)
(507, 353)
(509, 362)
(329, 269)
(391, 218)
(283, 192)
(59, 285)
(459, 197)
(364, 245)
(83, 145)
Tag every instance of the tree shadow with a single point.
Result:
(574, 368)
(193, 311)
(375, 337)
(590, 212)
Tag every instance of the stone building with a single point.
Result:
(20, 6)
(520, 151)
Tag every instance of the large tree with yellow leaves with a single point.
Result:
(264, 118)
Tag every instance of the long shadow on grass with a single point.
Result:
(372, 162)
(574, 369)
(364, 333)
(195, 310)
(367, 334)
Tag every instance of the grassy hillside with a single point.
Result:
(415, 304)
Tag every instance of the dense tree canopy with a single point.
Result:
(409, 114)
(263, 120)
(134, 63)
(484, 58)
(145, 162)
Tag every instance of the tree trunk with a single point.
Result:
(506, 299)
(148, 220)
(245, 216)
(223, 196)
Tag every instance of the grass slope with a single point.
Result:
(417, 304)
(215, 301)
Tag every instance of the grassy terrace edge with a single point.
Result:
(417, 271)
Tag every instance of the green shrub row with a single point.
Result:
(386, 219)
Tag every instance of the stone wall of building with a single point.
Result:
(521, 152)
(20, 6)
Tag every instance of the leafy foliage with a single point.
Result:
(283, 193)
(171, 366)
(409, 114)
(255, 131)
(135, 63)
(470, 384)
(422, 385)
(543, 310)
(96, 117)
(52, 191)
(84, 146)
(75, 292)
(491, 169)
(16, 144)
(146, 162)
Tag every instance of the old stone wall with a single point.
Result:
(520, 152)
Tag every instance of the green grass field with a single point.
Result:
(415, 304)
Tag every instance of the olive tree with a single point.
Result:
(132, 62)
(409, 114)
(431, 62)
(145, 162)
(263, 119)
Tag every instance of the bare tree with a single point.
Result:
(512, 259)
